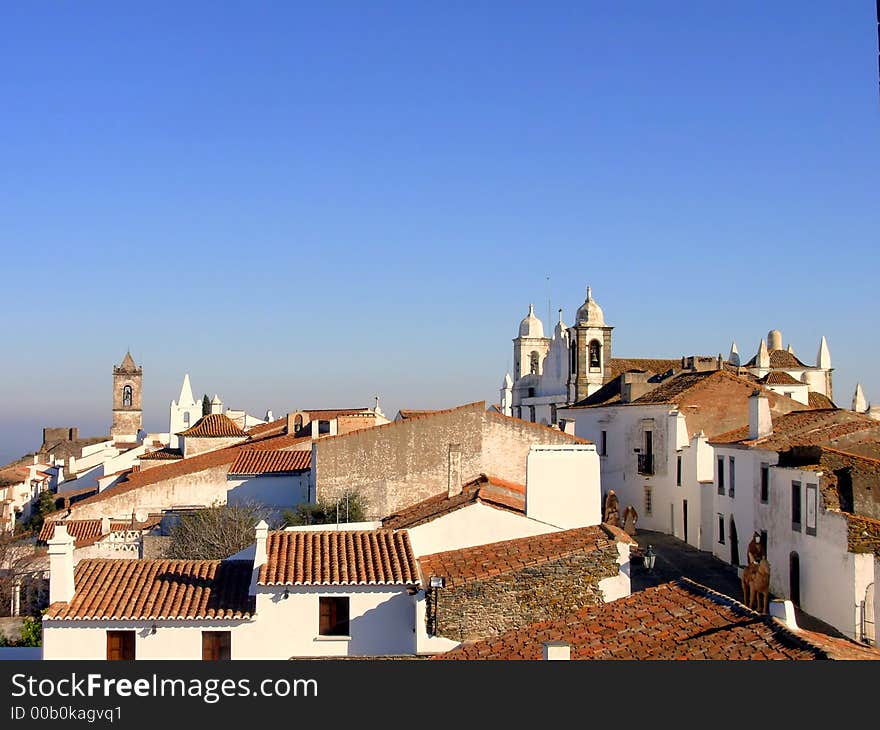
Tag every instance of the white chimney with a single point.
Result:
(760, 420)
(61, 586)
(557, 651)
(562, 485)
(105, 525)
(71, 465)
(454, 478)
(784, 611)
(261, 555)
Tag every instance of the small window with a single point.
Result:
(574, 357)
(789, 394)
(678, 470)
(120, 645)
(532, 414)
(732, 487)
(323, 426)
(796, 506)
(531, 393)
(764, 541)
(334, 616)
(720, 476)
(720, 528)
(812, 493)
(765, 482)
(126, 397)
(186, 418)
(216, 645)
(649, 500)
(603, 443)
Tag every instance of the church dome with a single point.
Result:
(531, 326)
(590, 312)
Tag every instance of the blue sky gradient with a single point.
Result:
(304, 204)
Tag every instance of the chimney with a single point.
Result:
(784, 611)
(760, 420)
(454, 473)
(261, 556)
(291, 427)
(557, 651)
(71, 465)
(720, 362)
(105, 525)
(774, 340)
(61, 587)
(634, 385)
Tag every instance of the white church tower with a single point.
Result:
(590, 350)
(184, 412)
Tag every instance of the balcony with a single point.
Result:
(646, 464)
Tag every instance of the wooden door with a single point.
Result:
(120, 645)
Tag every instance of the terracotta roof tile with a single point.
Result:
(819, 401)
(804, 428)
(782, 359)
(619, 365)
(88, 532)
(253, 461)
(573, 439)
(152, 590)
(779, 377)
(479, 562)
(214, 425)
(677, 620)
(165, 454)
(484, 489)
(339, 557)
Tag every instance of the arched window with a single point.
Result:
(298, 422)
(574, 355)
(595, 358)
(186, 418)
(534, 362)
(126, 397)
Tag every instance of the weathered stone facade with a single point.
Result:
(488, 607)
(400, 463)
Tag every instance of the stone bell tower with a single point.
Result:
(127, 388)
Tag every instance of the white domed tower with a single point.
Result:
(590, 349)
(530, 347)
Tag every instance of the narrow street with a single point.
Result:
(676, 559)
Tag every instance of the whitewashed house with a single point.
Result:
(815, 504)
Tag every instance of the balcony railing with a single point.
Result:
(646, 463)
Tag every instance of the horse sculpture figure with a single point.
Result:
(756, 585)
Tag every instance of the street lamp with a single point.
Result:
(650, 557)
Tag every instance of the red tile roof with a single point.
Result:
(483, 561)
(339, 557)
(253, 461)
(779, 377)
(88, 532)
(153, 590)
(619, 365)
(804, 428)
(166, 454)
(214, 425)
(819, 401)
(677, 620)
(485, 489)
(782, 359)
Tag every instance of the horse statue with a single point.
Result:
(756, 585)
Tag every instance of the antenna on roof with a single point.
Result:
(548, 320)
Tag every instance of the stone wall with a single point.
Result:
(201, 488)
(484, 608)
(126, 423)
(506, 443)
(400, 463)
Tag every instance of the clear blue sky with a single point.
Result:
(305, 204)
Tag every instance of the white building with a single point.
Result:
(793, 481)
